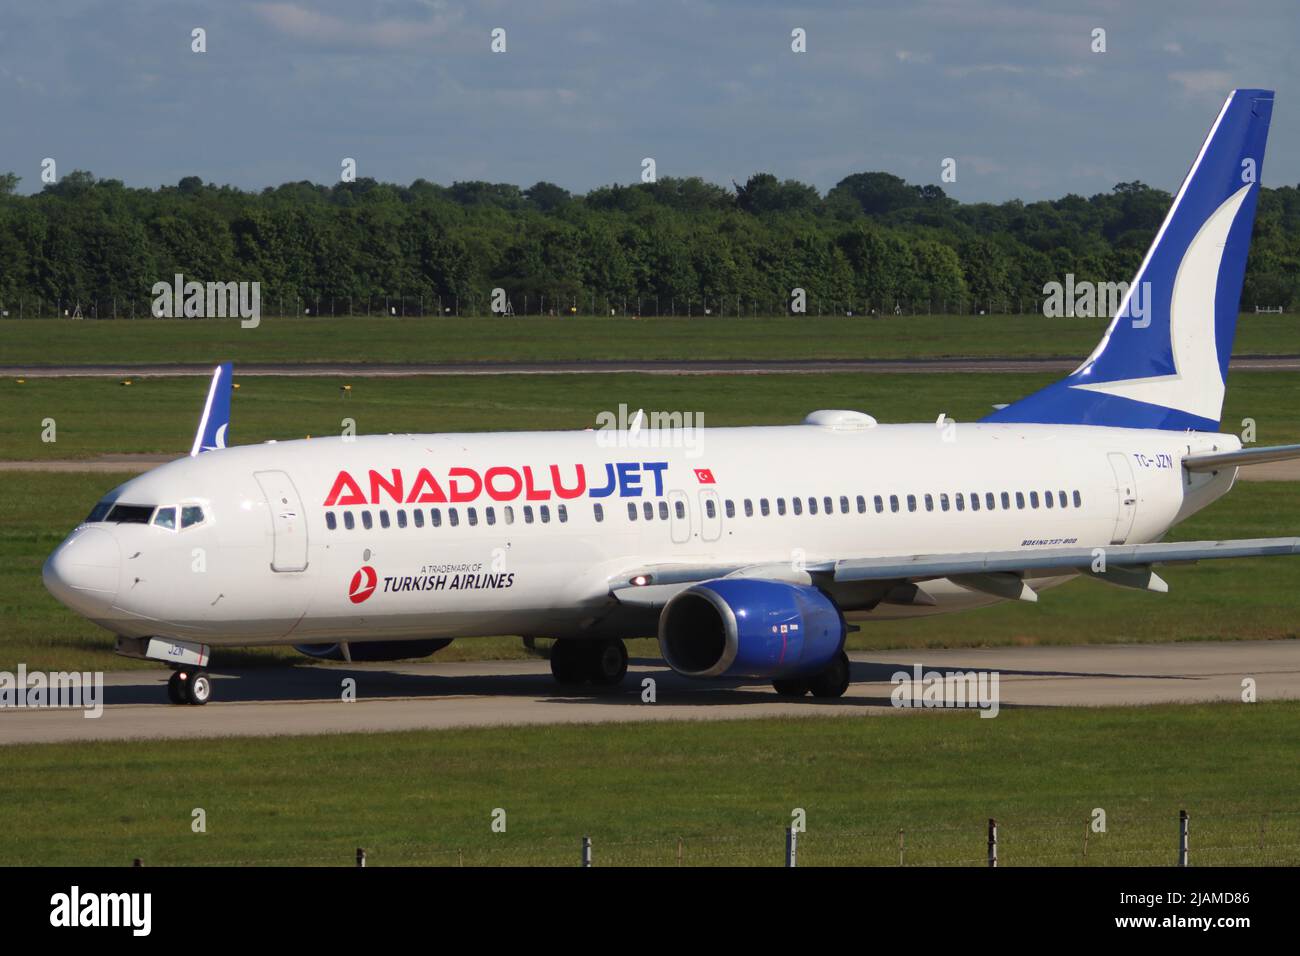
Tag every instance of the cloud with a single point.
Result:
(910, 56)
(1203, 82)
(296, 20)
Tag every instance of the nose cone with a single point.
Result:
(82, 572)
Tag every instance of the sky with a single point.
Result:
(585, 91)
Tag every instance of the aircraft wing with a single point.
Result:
(995, 572)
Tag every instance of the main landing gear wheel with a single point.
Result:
(603, 663)
(189, 687)
(833, 681)
(791, 687)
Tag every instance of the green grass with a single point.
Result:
(727, 789)
(63, 341)
(1223, 600)
(98, 416)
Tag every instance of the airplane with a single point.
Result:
(747, 552)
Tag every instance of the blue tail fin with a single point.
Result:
(1163, 362)
(214, 426)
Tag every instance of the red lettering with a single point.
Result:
(394, 487)
(476, 484)
(563, 492)
(344, 483)
(420, 496)
(498, 495)
(531, 493)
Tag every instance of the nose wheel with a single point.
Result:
(187, 686)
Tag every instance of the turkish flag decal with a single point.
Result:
(704, 475)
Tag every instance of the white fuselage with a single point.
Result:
(264, 565)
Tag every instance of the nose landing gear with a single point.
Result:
(187, 686)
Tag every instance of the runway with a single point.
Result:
(431, 696)
(990, 365)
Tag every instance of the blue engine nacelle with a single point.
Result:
(374, 650)
(746, 627)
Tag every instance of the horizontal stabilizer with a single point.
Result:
(1245, 456)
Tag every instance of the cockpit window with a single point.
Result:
(191, 515)
(130, 514)
(165, 518)
(99, 512)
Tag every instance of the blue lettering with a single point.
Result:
(629, 481)
(609, 487)
(658, 468)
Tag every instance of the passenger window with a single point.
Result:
(796, 505)
(528, 514)
(679, 507)
(165, 518)
(453, 517)
(366, 521)
(812, 506)
(193, 514)
(562, 512)
(348, 521)
(471, 515)
(1047, 499)
(762, 505)
(631, 511)
(729, 508)
(943, 501)
(1020, 500)
(1033, 499)
(418, 515)
(780, 506)
(749, 508)
(975, 501)
(929, 502)
(435, 517)
(649, 510)
(544, 512)
(844, 504)
(383, 519)
(862, 505)
(880, 504)
(911, 502)
(893, 503)
(710, 507)
(663, 511)
(510, 514)
(598, 508)
(1078, 502)
(828, 506)
(1006, 501)
(961, 501)
(401, 518)
(1063, 500)
(989, 501)
(491, 514)
(330, 521)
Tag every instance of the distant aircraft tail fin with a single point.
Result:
(1163, 362)
(214, 426)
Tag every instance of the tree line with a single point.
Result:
(873, 239)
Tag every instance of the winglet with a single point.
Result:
(214, 426)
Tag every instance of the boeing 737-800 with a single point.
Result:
(746, 552)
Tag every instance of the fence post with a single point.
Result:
(679, 851)
(900, 847)
(791, 847)
(993, 842)
(586, 851)
(137, 862)
(361, 857)
(1182, 837)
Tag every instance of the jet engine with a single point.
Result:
(748, 627)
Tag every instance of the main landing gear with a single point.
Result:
(189, 686)
(601, 662)
(832, 682)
